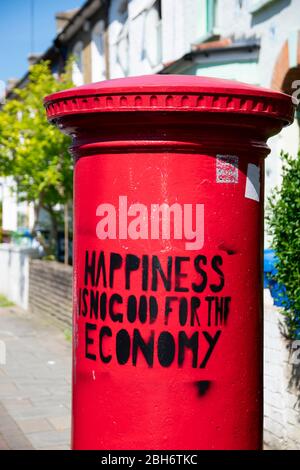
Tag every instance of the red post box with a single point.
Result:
(168, 234)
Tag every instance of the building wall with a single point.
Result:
(132, 34)
(117, 18)
(246, 71)
(14, 273)
(281, 383)
(184, 22)
(274, 25)
(14, 214)
(9, 204)
(84, 36)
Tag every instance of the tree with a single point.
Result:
(283, 219)
(33, 152)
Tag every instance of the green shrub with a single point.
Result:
(283, 218)
(4, 302)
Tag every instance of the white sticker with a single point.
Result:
(252, 189)
(227, 169)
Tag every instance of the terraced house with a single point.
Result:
(255, 41)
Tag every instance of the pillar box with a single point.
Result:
(168, 236)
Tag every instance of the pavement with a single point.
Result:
(35, 383)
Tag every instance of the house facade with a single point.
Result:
(254, 41)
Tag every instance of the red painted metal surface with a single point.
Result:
(168, 325)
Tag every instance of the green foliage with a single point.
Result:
(32, 151)
(283, 217)
(68, 335)
(4, 302)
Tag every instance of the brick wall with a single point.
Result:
(50, 291)
(281, 383)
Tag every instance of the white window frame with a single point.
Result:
(123, 36)
(158, 34)
(77, 72)
(207, 26)
(98, 69)
(143, 13)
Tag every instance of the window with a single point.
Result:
(211, 14)
(77, 74)
(207, 14)
(98, 53)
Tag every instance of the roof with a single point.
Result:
(226, 47)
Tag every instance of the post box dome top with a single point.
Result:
(170, 93)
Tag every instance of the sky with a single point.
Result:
(15, 31)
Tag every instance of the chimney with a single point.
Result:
(33, 58)
(62, 18)
(11, 83)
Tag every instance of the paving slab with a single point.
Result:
(35, 383)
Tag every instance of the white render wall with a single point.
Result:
(114, 29)
(181, 26)
(273, 26)
(11, 207)
(14, 272)
(281, 383)
(9, 204)
(273, 30)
